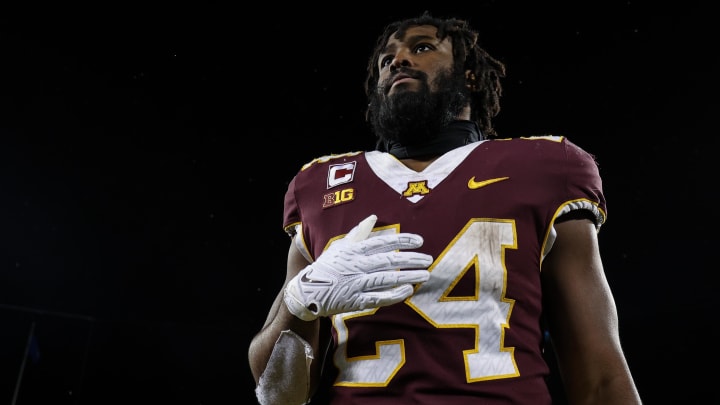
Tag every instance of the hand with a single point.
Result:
(357, 272)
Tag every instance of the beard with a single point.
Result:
(415, 117)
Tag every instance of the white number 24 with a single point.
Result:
(478, 247)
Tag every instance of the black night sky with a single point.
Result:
(144, 155)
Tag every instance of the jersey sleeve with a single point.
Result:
(583, 185)
(291, 211)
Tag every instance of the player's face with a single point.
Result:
(413, 61)
(419, 92)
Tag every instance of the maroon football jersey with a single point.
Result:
(486, 212)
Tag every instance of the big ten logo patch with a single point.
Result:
(338, 197)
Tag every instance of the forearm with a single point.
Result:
(263, 343)
(282, 358)
(619, 389)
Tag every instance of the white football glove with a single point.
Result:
(357, 272)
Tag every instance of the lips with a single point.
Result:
(400, 77)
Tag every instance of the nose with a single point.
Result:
(401, 59)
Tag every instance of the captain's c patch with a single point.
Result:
(340, 174)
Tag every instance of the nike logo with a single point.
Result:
(472, 184)
(306, 280)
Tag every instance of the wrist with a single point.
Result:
(295, 305)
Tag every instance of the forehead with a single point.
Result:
(412, 34)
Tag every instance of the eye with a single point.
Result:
(423, 47)
(385, 61)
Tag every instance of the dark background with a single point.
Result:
(144, 155)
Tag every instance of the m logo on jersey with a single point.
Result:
(340, 174)
(416, 188)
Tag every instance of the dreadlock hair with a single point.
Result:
(485, 71)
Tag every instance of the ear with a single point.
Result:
(471, 81)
